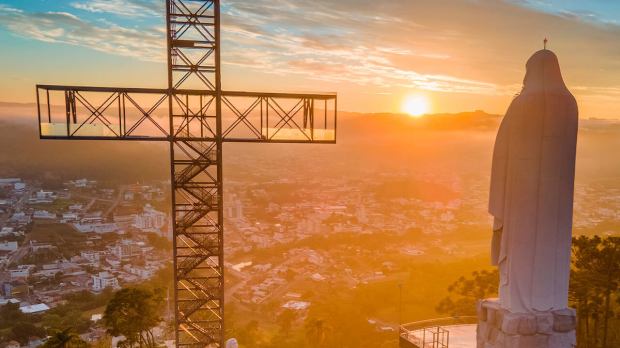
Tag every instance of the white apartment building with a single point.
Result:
(150, 220)
(104, 280)
(91, 256)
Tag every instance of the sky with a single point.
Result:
(461, 55)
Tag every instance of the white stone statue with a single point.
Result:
(532, 184)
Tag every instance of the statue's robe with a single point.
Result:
(532, 186)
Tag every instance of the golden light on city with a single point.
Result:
(416, 105)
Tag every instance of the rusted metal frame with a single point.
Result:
(204, 79)
(147, 115)
(191, 17)
(191, 115)
(187, 117)
(202, 153)
(279, 95)
(182, 79)
(202, 167)
(242, 117)
(95, 114)
(188, 62)
(288, 116)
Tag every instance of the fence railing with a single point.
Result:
(432, 333)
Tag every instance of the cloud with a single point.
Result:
(334, 41)
(604, 15)
(475, 47)
(62, 27)
(128, 8)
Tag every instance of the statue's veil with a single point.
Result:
(543, 74)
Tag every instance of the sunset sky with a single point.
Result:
(460, 55)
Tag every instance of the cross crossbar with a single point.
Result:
(309, 117)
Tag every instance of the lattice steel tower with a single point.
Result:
(196, 117)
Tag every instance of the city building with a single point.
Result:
(82, 183)
(141, 272)
(104, 280)
(150, 220)
(125, 249)
(9, 181)
(296, 305)
(96, 227)
(43, 215)
(35, 308)
(20, 218)
(70, 217)
(8, 246)
(76, 207)
(21, 271)
(92, 256)
(5, 231)
(43, 197)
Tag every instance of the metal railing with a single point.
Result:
(432, 333)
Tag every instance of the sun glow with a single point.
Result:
(416, 105)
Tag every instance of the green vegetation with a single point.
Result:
(133, 313)
(57, 207)
(67, 239)
(465, 292)
(159, 242)
(341, 316)
(15, 325)
(66, 338)
(41, 257)
(595, 291)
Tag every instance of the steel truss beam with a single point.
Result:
(78, 112)
(196, 173)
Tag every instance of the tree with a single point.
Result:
(66, 338)
(133, 313)
(249, 336)
(22, 332)
(595, 281)
(465, 292)
(104, 342)
(10, 313)
(285, 320)
(316, 332)
(159, 242)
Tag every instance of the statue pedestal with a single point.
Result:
(499, 328)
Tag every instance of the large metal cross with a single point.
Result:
(196, 117)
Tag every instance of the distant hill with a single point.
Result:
(460, 142)
(24, 154)
(474, 120)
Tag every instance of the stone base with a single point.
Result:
(498, 328)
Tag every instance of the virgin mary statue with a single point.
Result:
(532, 184)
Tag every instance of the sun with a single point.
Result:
(416, 105)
